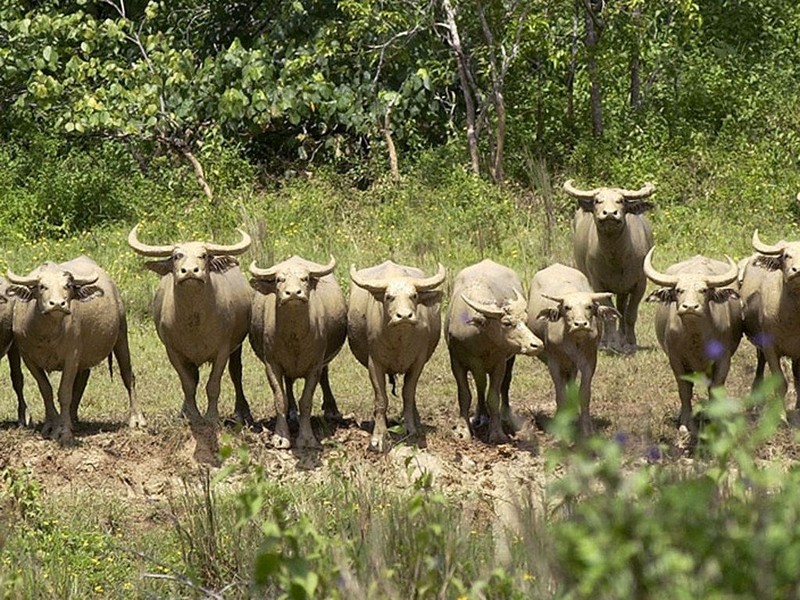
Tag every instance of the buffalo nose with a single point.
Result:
(690, 306)
(582, 324)
(404, 314)
(55, 303)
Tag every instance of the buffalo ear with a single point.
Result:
(770, 263)
(638, 207)
(722, 294)
(586, 204)
(87, 292)
(221, 263)
(608, 313)
(162, 267)
(430, 297)
(549, 314)
(20, 292)
(664, 294)
(263, 286)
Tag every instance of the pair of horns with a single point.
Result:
(596, 297)
(272, 272)
(644, 192)
(491, 310)
(164, 251)
(713, 281)
(379, 285)
(33, 279)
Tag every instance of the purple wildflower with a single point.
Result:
(653, 454)
(715, 349)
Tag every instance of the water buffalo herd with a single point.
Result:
(69, 317)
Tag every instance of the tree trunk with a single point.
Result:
(198, 172)
(387, 135)
(573, 67)
(592, 38)
(635, 66)
(454, 40)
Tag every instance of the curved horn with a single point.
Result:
(576, 193)
(28, 281)
(488, 310)
(234, 249)
(727, 278)
(84, 279)
(644, 192)
(763, 248)
(144, 249)
(556, 299)
(429, 283)
(322, 271)
(601, 296)
(377, 286)
(661, 279)
(259, 273)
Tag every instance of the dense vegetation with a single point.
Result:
(424, 132)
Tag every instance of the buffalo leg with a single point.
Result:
(496, 375)
(630, 315)
(464, 397)
(329, 407)
(277, 382)
(410, 414)
(377, 376)
(50, 412)
(78, 388)
(241, 410)
(291, 402)
(761, 362)
(774, 362)
(305, 436)
(796, 377)
(506, 416)
(189, 375)
(213, 387)
(481, 411)
(685, 390)
(585, 390)
(63, 433)
(122, 353)
(17, 382)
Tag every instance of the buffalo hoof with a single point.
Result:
(212, 417)
(244, 418)
(498, 437)
(308, 442)
(378, 443)
(280, 442)
(64, 436)
(462, 432)
(479, 420)
(49, 429)
(136, 420)
(25, 419)
(333, 415)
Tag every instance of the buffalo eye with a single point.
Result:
(389, 297)
(507, 323)
(281, 279)
(177, 256)
(304, 279)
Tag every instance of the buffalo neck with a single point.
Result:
(294, 316)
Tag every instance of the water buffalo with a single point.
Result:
(202, 314)
(611, 238)
(698, 321)
(770, 294)
(69, 317)
(299, 324)
(393, 327)
(486, 327)
(8, 347)
(568, 316)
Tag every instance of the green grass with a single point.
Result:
(91, 538)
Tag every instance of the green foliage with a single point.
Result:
(719, 527)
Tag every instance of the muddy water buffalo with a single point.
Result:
(68, 317)
(486, 327)
(8, 347)
(299, 324)
(698, 321)
(393, 327)
(611, 239)
(770, 293)
(202, 314)
(568, 316)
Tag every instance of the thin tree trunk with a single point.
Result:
(198, 172)
(635, 66)
(463, 75)
(593, 31)
(387, 135)
(573, 67)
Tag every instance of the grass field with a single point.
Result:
(134, 514)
